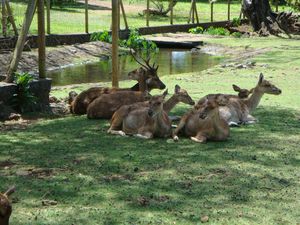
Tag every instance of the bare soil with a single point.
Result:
(58, 57)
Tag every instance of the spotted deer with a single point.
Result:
(238, 111)
(147, 79)
(203, 124)
(180, 95)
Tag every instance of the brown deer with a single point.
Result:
(5, 206)
(238, 111)
(242, 93)
(147, 122)
(147, 79)
(180, 95)
(203, 124)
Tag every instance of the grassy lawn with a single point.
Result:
(96, 178)
(71, 19)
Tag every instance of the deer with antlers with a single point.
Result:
(238, 111)
(180, 95)
(146, 76)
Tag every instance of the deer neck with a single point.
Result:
(254, 100)
(215, 117)
(135, 87)
(170, 104)
(142, 84)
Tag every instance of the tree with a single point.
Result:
(265, 22)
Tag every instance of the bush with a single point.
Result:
(136, 42)
(217, 31)
(196, 30)
(236, 22)
(101, 36)
(23, 100)
(236, 34)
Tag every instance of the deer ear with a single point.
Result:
(165, 93)
(177, 88)
(236, 88)
(261, 78)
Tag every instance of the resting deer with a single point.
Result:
(147, 79)
(238, 111)
(5, 206)
(242, 93)
(147, 122)
(180, 95)
(203, 124)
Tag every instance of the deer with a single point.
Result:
(146, 76)
(180, 95)
(238, 111)
(147, 122)
(203, 124)
(5, 206)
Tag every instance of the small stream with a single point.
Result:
(171, 61)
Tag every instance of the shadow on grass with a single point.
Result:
(127, 178)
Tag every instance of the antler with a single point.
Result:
(146, 64)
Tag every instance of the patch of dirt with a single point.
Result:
(58, 57)
(146, 200)
(6, 164)
(118, 177)
(20, 124)
(39, 173)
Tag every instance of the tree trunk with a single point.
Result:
(264, 21)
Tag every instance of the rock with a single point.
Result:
(5, 111)
(41, 89)
(204, 219)
(7, 90)
(14, 116)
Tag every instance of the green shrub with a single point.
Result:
(236, 34)
(196, 30)
(23, 100)
(136, 42)
(101, 36)
(217, 31)
(236, 22)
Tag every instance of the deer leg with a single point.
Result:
(146, 135)
(178, 128)
(250, 119)
(116, 132)
(200, 138)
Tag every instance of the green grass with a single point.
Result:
(71, 18)
(97, 178)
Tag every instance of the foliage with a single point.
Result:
(236, 34)
(196, 30)
(23, 100)
(236, 22)
(138, 43)
(295, 4)
(101, 36)
(217, 31)
(134, 41)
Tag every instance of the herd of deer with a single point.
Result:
(133, 111)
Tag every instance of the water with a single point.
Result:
(171, 61)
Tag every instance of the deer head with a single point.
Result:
(156, 104)
(265, 86)
(242, 93)
(206, 108)
(147, 73)
(183, 96)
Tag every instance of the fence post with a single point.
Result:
(193, 11)
(115, 42)
(277, 1)
(228, 12)
(4, 21)
(171, 13)
(41, 39)
(147, 15)
(124, 14)
(211, 11)
(48, 17)
(196, 12)
(86, 16)
(11, 17)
